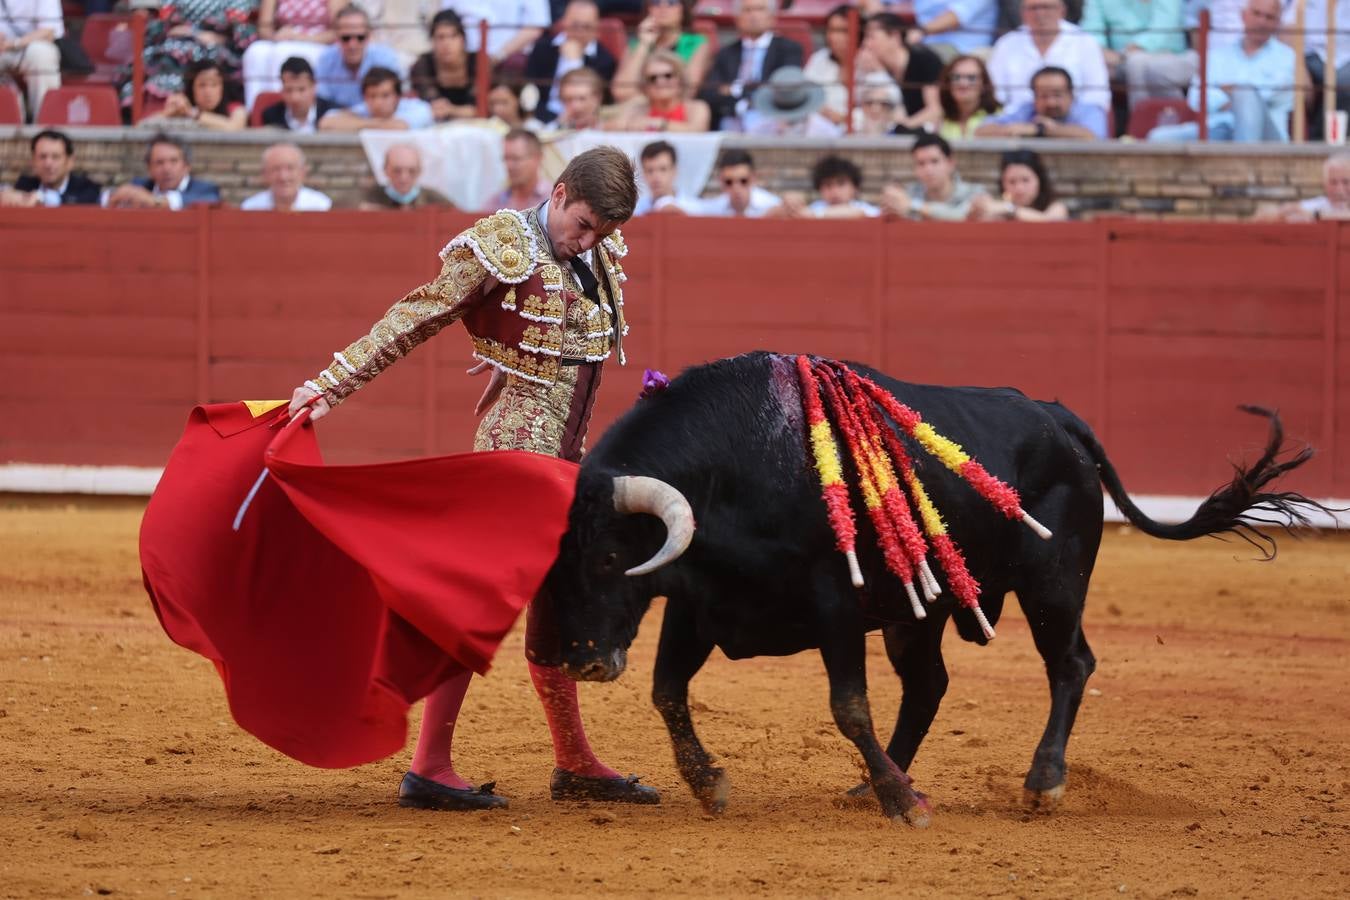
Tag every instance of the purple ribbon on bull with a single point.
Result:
(653, 382)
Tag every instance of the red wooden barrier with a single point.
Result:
(116, 322)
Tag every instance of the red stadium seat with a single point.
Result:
(80, 104)
(1151, 112)
(613, 36)
(11, 113)
(707, 28)
(260, 103)
(108, 40)
(799, 31)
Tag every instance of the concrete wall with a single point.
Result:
(1213, 181)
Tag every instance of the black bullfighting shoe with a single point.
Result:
(565, 785)
(417, 792)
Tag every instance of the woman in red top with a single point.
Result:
(206, 99)
(663, 105)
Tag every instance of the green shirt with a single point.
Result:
(1152, 25)
(685, 47)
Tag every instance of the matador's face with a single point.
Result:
(574, 228)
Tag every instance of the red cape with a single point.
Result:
(348, 592)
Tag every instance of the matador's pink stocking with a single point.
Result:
(571, 750)
(432, 757)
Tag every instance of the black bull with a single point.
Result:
(762, 576)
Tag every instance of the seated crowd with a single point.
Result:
(1069, 69)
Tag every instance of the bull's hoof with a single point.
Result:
(712, 788)
(920, 815)
(1044, 800)
(901, 803)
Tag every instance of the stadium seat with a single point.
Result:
(1151, 112)
(799, 31)
(80, 104)
(707, 28)
(108, 40)
(260, 103)
(613, 36)
(11, 113)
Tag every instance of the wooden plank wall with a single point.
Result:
(116, 323)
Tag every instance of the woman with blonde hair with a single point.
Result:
(967, 96)
(664, 104)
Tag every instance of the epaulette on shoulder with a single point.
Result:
(503, 243)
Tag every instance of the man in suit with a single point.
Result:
(574, 46)
(170, 184)
(743, 65)
(52, 182)
(300, 107)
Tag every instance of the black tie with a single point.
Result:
(586, 278)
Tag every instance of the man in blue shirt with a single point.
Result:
(1053, 113)
(1249, 95)
(382, 106)
(347, 60)
(962, 25)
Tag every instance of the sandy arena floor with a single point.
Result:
(1210, 759)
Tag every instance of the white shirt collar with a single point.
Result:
(759, 43)
(52, 196)
(543, 227)
(561, 38)
(180, 187)
(309, 124)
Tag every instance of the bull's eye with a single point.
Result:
(607, 564)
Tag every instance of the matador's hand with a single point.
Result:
(493, 389)
(302, 397)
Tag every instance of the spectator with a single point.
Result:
(525, 187)
(826, 65)
(53, 183)
(939, 194)
(1315, 53)
(205, 100)
(1333, 204)
(664, 104)
(382, 107)
(1225, 20)
(1028, 195)
(573, 47)
(284, 171)
(513, 26)
(188, 31)
(1248, 85)
(343, 65)
(659, 172)
(170, 184)
(953, 27)
(1045, 39)
(788, 104)
(741, 196)
(666, 25)
(878, 105)
(581, 91)
(29, 30)
(403, 169)
(1053, 112)
(741, 66)
(444, 75)
(838, 181)
(967, 97)
(1143, 44)
(1010, 14)
(286, 28)
(504, 105)
(915, 69)
(300, 107)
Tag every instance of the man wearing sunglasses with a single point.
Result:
(741, 194)
(347, 60)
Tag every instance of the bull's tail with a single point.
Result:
(1240, 507)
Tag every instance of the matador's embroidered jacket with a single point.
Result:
(532, 324)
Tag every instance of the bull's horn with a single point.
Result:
(641, 494)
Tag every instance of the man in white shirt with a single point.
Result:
(300, 107)
(659, 173)
(1333, 204)
(28, 33)
(513, 25)
(1046, 39)
(382, 106)
(283, 171)
(741, 196)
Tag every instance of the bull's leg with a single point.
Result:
(680, 654)
(843, 649)
(1056, 627)
(916, 655)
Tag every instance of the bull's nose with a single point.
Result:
(593, 671)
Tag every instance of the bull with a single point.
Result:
(724, 446)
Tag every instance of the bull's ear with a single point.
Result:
(652, 496)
